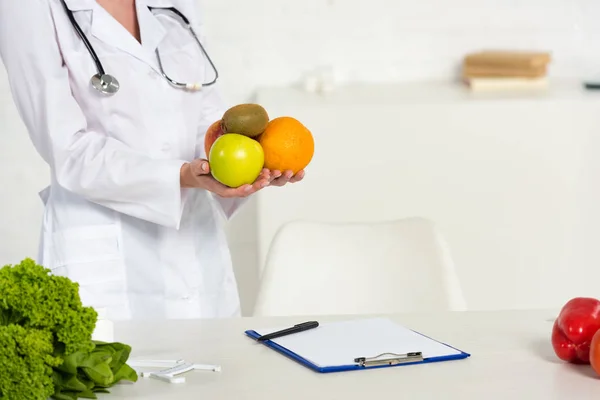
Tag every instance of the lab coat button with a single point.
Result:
(166, 147)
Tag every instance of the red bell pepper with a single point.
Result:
(574, 329)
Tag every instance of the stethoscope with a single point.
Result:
(109, 85)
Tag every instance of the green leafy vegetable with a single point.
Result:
(26, 363)
(46, 348)
(83, 374)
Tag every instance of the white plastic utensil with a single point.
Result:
(169, 379)
(171, 374)
(207, 367)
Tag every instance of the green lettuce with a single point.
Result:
(46, 348)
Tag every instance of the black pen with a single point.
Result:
(294, 329)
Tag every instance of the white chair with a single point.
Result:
(358, 268)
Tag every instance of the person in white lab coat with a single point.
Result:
(132, 213)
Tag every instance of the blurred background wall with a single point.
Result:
(511, 179)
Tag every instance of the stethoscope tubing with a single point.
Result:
(101, 75)
(87, 43)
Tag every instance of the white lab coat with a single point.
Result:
(116, 220)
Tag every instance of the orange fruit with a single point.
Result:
(287, 145)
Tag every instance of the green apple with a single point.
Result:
(236, 160)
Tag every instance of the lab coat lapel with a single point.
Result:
(107, 29)
(151, 30)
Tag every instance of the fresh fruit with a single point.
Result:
(212, 133)
(595, 352)
(287, 144)
(576, 325)
(236, 160)
(245, 119)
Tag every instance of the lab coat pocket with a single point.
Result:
(92, 257)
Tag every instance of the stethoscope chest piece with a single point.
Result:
(105, 83)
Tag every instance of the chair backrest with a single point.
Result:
(358, 268)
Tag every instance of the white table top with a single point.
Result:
(511, 358)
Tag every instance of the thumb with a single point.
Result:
(200, 167)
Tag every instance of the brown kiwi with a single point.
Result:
(245, 119)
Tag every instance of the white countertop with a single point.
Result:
(428, 92)
(511, 358)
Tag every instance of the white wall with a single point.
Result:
(276, 42)
(510, 179)
(22, 175)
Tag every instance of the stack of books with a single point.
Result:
(505, 70)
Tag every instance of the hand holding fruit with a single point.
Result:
(280, 179)
(197, 175)
(244, 142)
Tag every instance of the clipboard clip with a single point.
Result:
(392, 359)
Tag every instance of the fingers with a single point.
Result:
(261, 182)
(265, 174)
(298, 177)
(265, 178)
(242, 191)
(275, 174)
(283, 178)
(200, 167)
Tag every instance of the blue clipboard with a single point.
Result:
(380, 363)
